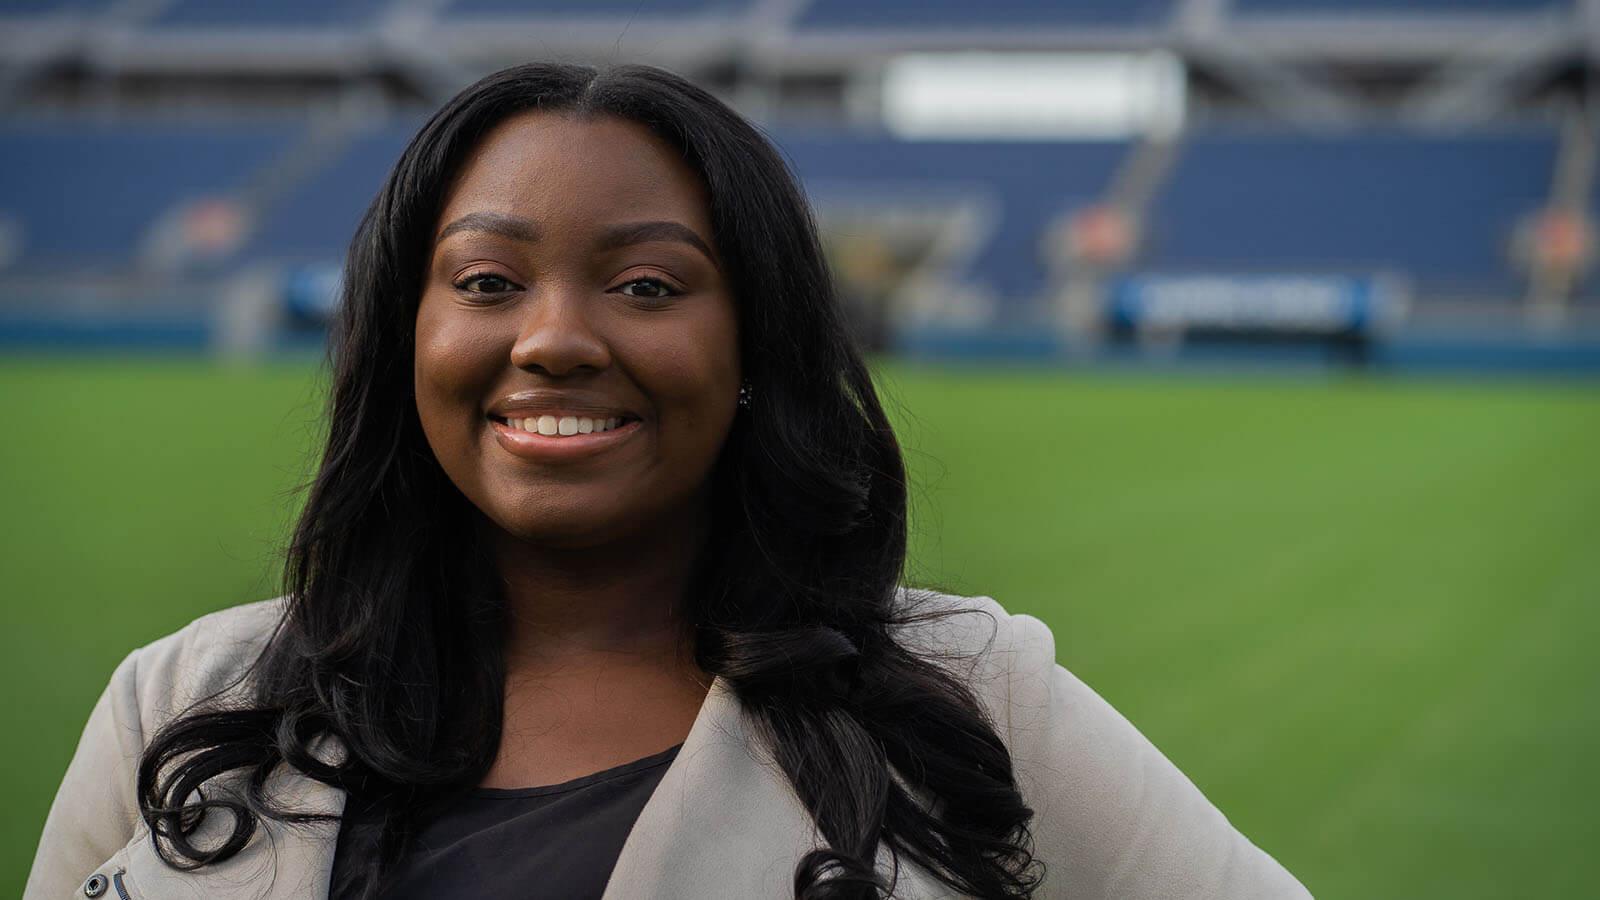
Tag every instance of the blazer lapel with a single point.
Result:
(723, 821)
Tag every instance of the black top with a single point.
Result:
(560, 840)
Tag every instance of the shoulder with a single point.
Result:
(939, 621)
(96, 812)
(996, 653)
(1113, 816)
(229, 632)
(210, 656)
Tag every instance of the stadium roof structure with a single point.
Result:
(1315, 62)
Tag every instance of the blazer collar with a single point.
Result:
(722, 822)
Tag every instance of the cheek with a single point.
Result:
(696, 371)
(690, 372)
(452, 365)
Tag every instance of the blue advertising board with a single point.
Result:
(1288, 304)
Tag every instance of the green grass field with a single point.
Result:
(1361, 615)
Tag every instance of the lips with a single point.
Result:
(562, 448)
(553, 426)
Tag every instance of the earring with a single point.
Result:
(744, 394)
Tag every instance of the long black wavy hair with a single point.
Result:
(391, 637)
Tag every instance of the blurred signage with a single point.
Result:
(311, 293)
(1288, 304)
(1034, 95)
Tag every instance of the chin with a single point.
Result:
(590, 515)
(544, 527)
(553, 529)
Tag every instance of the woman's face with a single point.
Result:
(573, 283)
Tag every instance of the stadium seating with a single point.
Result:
(31, 9)
(86, 193)
(948, 14)
(1029, 184)
(1439, 208)
(280, 13)
(592, 9)
(314, 220)
(1405, 7)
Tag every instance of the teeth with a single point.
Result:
(564, 426)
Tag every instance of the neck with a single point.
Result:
(621, 602)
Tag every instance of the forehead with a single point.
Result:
(551, 166)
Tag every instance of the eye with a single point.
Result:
(484, 283)
(649, 289)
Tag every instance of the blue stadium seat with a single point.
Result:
(269, 13)
(315, 220)
(1441, 208)
(1031, 183)
(82, 194)
(33, 9)
(929, 14)
(605, 9)
(1405, 7)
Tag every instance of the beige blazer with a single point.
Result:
(1114, 818)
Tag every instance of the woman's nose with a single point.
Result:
(556, 335)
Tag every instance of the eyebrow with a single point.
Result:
(518, 229)
(645, 232)
(613, 237)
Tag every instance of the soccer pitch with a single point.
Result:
(1361, 615)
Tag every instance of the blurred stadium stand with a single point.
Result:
(186, 159)
(952, 14)
(1016, 189)
(88, 194)
(322, 210)
(1401, 7)
(607, 10)
(1439, 209)
(295, 13)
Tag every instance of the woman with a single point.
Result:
(596, 590)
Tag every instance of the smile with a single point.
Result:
(566, 440)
